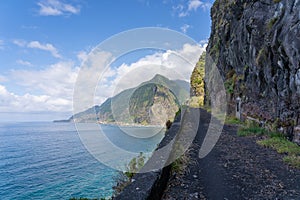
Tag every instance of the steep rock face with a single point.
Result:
(152, 104)
(256, 47)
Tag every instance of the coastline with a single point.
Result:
(120, 124)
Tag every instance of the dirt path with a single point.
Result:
(237, 168)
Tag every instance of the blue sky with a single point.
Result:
(43, 43)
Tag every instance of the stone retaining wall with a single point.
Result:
(151, 185)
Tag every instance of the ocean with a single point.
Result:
(45, 160)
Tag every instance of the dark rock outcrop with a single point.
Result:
(256, 47)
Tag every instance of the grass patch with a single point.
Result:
(250, 129)
(179, 165)
(281, 145)
(292, 160)
(274, 140)
(232, 120)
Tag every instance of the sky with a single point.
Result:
(45, 43)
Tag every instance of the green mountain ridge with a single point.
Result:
(151, 103)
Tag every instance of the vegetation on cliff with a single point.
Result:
(197, 83)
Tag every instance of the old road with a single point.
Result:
(236, 168)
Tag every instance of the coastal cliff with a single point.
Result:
(151, 103)
(256, 47)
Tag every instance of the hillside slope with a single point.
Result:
(151, 103)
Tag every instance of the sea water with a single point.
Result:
(44, 160)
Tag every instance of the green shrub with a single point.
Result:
(276, 134)
(232, 80)
(178, 112)
(181, 158)
(124, 178)
(229, 86)
(179, 165)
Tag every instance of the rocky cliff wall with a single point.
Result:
(256, 46)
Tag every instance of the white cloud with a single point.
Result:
(51, 89)
(182, 14)
(82, 56)
(37, 45)
(28, 27)
(20, 43)
(56, 8)
(25, 63)
(45, 47)
(184, 28)
(179, 9)
(203, 42)
(57, 80)
(195, 4)
(88, 77)
(172, 64)
(10, 102)
(192, 5)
